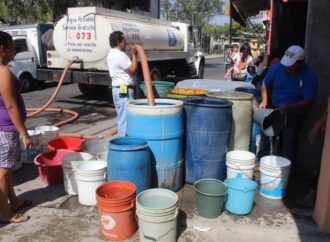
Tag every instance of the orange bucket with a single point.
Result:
(115, 202)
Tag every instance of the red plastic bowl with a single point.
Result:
(49, 166)
(67, 143)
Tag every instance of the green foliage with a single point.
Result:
(216, 30)
(32, 11)
(196, 12)
(165, 8)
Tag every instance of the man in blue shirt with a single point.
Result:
(290, 86)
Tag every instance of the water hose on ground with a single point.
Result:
(74, 115)
(52, 98)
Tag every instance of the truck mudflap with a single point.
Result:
(75, 76)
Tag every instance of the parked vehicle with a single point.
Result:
(30, 52)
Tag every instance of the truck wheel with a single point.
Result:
(84, 88)
(200, 74)
(27, 83)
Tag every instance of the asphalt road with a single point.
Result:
(97, 114)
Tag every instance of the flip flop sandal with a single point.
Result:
(25, 203)
(17, 218)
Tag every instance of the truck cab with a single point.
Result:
(30, 52)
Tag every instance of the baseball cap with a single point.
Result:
(292, 54)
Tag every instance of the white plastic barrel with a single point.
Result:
(274, 175)
(242, 117)
(28, 155)
(48, 133)
(89, 176)
(240, 164)
(69, 164)
(157, 211)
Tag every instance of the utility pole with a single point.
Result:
(230, 20)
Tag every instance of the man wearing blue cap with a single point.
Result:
(291, 86)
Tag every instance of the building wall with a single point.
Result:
(317, 55)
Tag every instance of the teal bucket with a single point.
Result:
(210, 195)
(240, 195)
(160, 88)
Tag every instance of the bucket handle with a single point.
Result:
(161, 236)
(265, 183)
(243, 172)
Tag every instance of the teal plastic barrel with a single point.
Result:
(209, 197)
(162, 127)
(160, 88)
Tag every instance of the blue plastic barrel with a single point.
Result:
(162, 127)
(129, 160)
(208, 127)
(255, 92)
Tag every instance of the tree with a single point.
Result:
(31, 11)
(196, 12)
(166, 7)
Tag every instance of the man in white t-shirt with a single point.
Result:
(121, 68)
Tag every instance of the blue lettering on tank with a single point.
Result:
(172, 40)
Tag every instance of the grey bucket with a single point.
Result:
(271, 121)
(210, 194)
(95, 146)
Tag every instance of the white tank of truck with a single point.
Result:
(84, 33)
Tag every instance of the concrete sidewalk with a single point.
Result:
(213, 56)
(56, 216)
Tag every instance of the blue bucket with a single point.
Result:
(162, 127)
(208, 128)
(129, 160)
(240, 195)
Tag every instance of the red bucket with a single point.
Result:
(49, 166)
(116, 206)
(67, 143)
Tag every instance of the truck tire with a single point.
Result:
(200, 74)
(27, 82)
(84, 88)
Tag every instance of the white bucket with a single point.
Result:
(240, 164)
(235, 170)
(89, 176)
(274, 174)
(102, 156)
(48, 133)
(28, 155)
(157, 211)
(69, 164)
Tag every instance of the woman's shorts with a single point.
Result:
(9, 149)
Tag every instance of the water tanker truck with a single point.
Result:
(83, 34)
